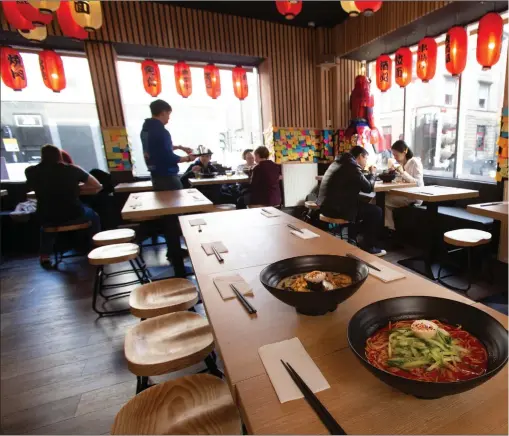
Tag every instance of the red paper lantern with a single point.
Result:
(456, 50)
(426, 59)
(52, 70)
(14, 18)
(240, 87)
(368, 8)
(383, 72)
(212, 81)
(403, 66)
(489, 40)
(12, 69)
(33, 15)
(289, 8)
(69, 27)
(183, 80)
(151, 77)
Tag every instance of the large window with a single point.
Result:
(225, 125)
(36, 116)
(451, 123)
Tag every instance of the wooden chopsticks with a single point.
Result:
(314, 402)
(353, 256)
(250, 309)
(216, 253)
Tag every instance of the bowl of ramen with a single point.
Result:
(426, 346)
(314, 284)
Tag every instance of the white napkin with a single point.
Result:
(223, 286)
(293, 352)
(269, 215)
(306, 234)
(197, 222)
(219, 246)
(385, 274)
(192, 191)
(195, 197)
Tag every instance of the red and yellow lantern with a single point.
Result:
(87, 14)
(240, 86)
(151, 77)
(368, 8)
(35, 35)
(33, 15)
(52, 70)
(45, 6)
(289, 8)
(69, 27)
(350, 8)
(403, 66)
(212, 81)
(426, 59)
(12, 69)
(456, 50)
(383, 72)
(14, 18)
(489, 40)
(183, 80)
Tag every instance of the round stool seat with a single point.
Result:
(467, 237)
(168, 343)
(311, 205)
(117, 236)
(224, 207)
(326, 219)
(195, 404)
(68, 228)
(163, 296)
(110, 254)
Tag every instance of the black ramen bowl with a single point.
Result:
(314, 303)
(387, 177)
(476, 322)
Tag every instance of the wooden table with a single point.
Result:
(355, 394)
(384, 187)
(220, 180)
(497, 212)
(146, 205)
(144, 186)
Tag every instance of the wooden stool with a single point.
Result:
(195, 404)
(59, 255)
(464, 239)
(341, 225)
(311, 211)
(110, 255)
(169, 343)
(224, 207)
(311, 205)
(162, 297)
(117, 236)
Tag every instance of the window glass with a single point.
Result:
(36, 116)
(226, 125)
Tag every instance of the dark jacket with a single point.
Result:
(341, 184)
(264, 185)
(158, 149)
(190, 175)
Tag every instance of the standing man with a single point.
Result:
(162, 163)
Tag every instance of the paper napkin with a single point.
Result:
(219, 246)
(306, 234)
(223, 285)
(385, 274)
(197, 222)
(269, 215)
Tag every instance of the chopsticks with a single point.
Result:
(363, 261)
(250, 309)
(199, 228)
(267, 211)
(314, 402)
(490, 204)
(216, 253)
(295, 228)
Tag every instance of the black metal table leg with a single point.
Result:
(380, 202)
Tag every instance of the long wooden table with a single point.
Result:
(219, 180)
(144, 186)
(252, 244)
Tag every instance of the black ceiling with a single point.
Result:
(321, 13)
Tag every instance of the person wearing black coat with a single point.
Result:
(339, 195)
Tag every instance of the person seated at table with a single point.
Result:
(410, 169)
(201, 165)
(57, 190)
(338, 196)
(249, 161)
(264, 188)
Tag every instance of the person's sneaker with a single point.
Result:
(376, 251)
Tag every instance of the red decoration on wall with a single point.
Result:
(212, 81)
(403, 66)
(14, 18)
(33, 14)
(289, 8)
(151, 77)
(383, 72)
(69, 27)
(12, 69)
(240, 87)
(489, 40)
(426, 59)
(52, 70)
(183, 80)
(368, 8)
(456, 50)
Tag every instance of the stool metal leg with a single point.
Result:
(141, 384)
(469, 274)
(98, 285)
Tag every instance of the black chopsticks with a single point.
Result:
(314, 402)
(490, 204)
(295, 228)
(250, 309)
(363, 261)
(267, 211)
(216, 253)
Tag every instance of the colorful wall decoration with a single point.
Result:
(303, 145)
(502, 162)
(116, 147)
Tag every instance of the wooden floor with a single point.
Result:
(63, 369)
